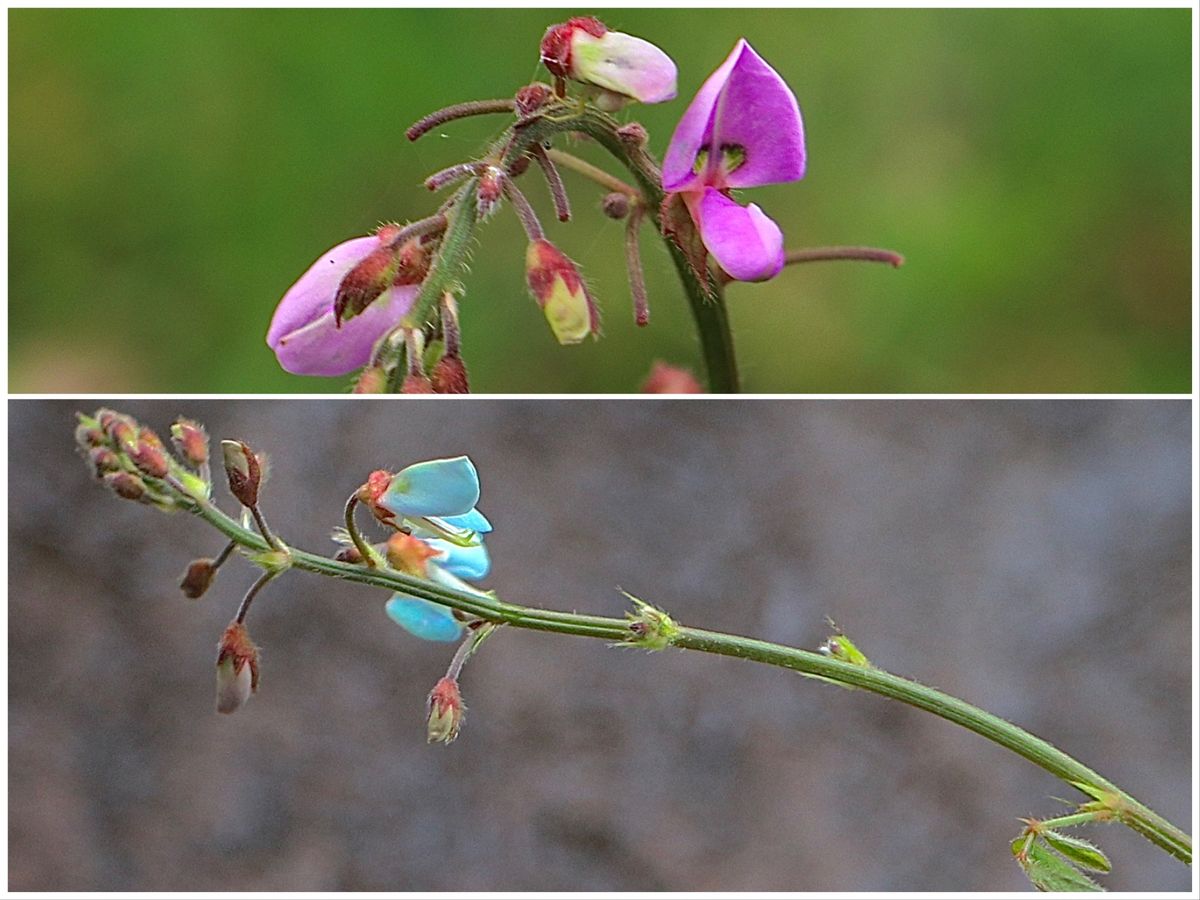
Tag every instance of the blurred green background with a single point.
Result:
(171, 172)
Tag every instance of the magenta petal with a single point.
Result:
(695, 130)
(742, 239)
(758, 112)
(302, 332)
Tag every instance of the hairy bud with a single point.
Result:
(191, 441)
(197, 578)
(244, 472)
(449, 376)
(364, 283)
(416, 383)
(104, 461)
(633, 134)
(149, 458)
(126, 485)
(446, 712)
(615, 205)
(372, 380)
(237, 668)
(559, 290)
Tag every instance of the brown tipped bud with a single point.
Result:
(244, 471)
(633, 134)
(349, 555)
(533, 97)
(106, 417)
(150, 437)
(416, 384)
(191, 441)
(103, 461)
(615, 205)
(237, 668)
(667, 379)
(446, 711)
(124, 434)
(372, 491)
(88, 436)
(197, 578)
(364, 283)
(371, 380)
(489, 192)
(449, 376)
(125, 485)
(560, 292)
(149, 459)
(406, 553)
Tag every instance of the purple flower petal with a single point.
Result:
(746, 111)
(623, 64)
(303, 333)
(745, 242)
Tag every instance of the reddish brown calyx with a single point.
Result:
(372, 492)
(556, 43)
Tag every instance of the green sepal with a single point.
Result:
(649, 626)
(274, 561)
(1082, 853)
(1047, 871)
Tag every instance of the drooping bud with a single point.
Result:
(103, 461)
(191, 441)
(559, 290)
(237, 668)
(446, 710)
(372, 380)
(197, 578)
(149, 458)
(621, 66)
(244, 472)
(667, 379)
(408, 554)
(125, 485)
(615, 205)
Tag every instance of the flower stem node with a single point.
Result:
(244, 471)
(649, 626)
(839, 646)
(197, 578)
(559, 290)
(237, 668)
(445, 712)
(275, 561)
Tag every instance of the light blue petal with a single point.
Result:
(472, 521)
(439, 487)
(465, 562)
(426, 620)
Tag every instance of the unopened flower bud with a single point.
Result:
(621, 66)
(124, 434)
(560, 292)
(125, 485)
(349, 555)
(149, 458)
(449, 376)
(88, 436)
(416, 384)
(372, 380)
(519, 167)
(191, 441)
(237, 668)
(533, 97)
(197, 578)
(446, 712)
(633, 134)
(489, 192)
(244, 472)
(408, 554)
(103, 461)
(667, 379)
(615, 205)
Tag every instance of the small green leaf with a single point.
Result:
(1083, 853)
(1048, 871)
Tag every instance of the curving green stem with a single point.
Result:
(706, 298)
(1114, 802)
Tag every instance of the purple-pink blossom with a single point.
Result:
(304, 334)
(743, 129)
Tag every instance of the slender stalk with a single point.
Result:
(1043, 754)
(860, 254)
(633, 262)
(363, 548)
(558, 191)
(529, 219)
(594, 173)
(262, 526)
(251, 594)
(224, 555)
(458, 111)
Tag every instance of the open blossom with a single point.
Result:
(304, 332)
(743, 129)
(621, 67)
(438, 492)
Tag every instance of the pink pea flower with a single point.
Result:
(304, 333)
(742, 129)
(619, 67)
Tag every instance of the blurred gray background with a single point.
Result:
(1031, 557)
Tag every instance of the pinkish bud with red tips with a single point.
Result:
(446, 711)
(244, 471)
(237, 668)
(126, 485)
(559, 290)
(372, 380)
(191, 441)
(449, 376)
(618, 67)
(149, 458)
(533, 97)
(104, 461)
(667, 379)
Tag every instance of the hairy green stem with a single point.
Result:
(705, 297)
(490, 608)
